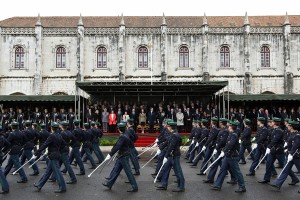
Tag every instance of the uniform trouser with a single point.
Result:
(52, 167)
(207, 156)
(258, 154)
(175, 163)
(231, 164)
(165, 172)
(3, 181)
(287, 171)
(122, 163)
(196, 157)
(89, 156)
(160, 159)
(134, 159)
(242, 152)
(188, 153)
(214, 167)
(98, 152)
(192, 153)
(27, 154)
(270, 164)
(66, 161)
(14, 161)
(76, 154)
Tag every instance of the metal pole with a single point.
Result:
(223, 104)
(83, 110)
(79, 105)
(219, 107)
(75, 102)
(228, 102)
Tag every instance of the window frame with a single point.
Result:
(102, 54)
(63, 58)
(265, 56)
(19, 58)
(225, 57)
(184, 56)
(143, 55)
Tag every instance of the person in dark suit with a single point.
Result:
(151, 119)
(188, 116)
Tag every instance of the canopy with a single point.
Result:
(263, 97)
(152, 88)
(37, 98)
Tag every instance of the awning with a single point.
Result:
(263, 97)
(155, 88)
(37, 98)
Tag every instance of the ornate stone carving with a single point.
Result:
(59, 31)
(18, 31)
(144, 31)
(101, 31)
(266, 30)
(184, 31)
(295, 29)
(226, 30)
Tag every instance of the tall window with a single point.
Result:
(183, 57)
(265, 56)
(101, 57)
(225, 56)
(19, 58)
(143, 57)
(61, 57)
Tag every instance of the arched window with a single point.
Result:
(61, 57)
(19, 58)
(101, 57)
(225, 56)
(183, 57)
(143, 57)
(265, 56)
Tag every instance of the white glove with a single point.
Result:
(156, 140)
(215, 151)
(254, 146)
(240, 141)
(268, 151)
(222, 154)
(253, 139)
(197, 144)
(158, 152)
(155, 145)
(285, 144)
(290, 157)
(107, 157)
(203, 148)
(285, 150)
(33, 157)
(187, 140)
(193, 141)
(165, 160)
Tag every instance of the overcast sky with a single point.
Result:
(10, 8)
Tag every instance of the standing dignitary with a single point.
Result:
(53, 143)
(122, 162)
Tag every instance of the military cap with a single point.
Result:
(76, 121)
(214, 119)
(204, 121)
(270, 120)
(34, 124)
(28, 122)
(293, 123)
(276, 119)
(261, 119)
(64, 123)
(172, 123)
(93, 123)
(195, 121)
(42, 125)
(97, 123)
(232, 123)
(121, 125)
(54, 125)
(130, 120)
(224, 120)
(14, 124)
(287, 119)
(86, 124)
(247, 120)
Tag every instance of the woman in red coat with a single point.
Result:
(112, 122)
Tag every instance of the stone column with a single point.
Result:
(205, 75)
(163, 49)
(248, 74)
(38, 79)
(288, 75)
(121, 51)
(80, 49)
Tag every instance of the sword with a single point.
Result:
(150, 160)
(197, 155)
(184, 144)
(286, 165)
(212, 164)
(146, 150)
(207, 161)
(260, 162)
(97, 168)
(159, 172)
(250, 153)
(22, 166)
(38, 159)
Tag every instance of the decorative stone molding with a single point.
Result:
(184, 68)
(266, 30)
(59, 31)
(184, 31)
(101, 31)
(226, 68)
(18, 31)
(295, 29)
(222, 30)
(142, 31)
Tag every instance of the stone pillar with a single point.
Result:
(80, 49)
(163, 49)
(205, 75)
(248, 74)
(38, 79)
(288, 75)
(121, 51)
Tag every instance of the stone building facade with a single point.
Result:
(47, 55)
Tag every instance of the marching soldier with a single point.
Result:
(230, 160)
(53, 143)
(245, 141)
(87, 144)
(4, 144)
(97, 135)
(122, 162)
(130, 133)
(37, 116)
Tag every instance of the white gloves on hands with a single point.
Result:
(268, 151)
(107, 157)
(240, 141)
(290, 157)
(254, 146)
(158, 152)
(156, 140)
(187, 140)
(285, 144)
(222, 154)
(253, 139)
(165, 160)
(33, 157)
(197, 144)
(215, 151)
(203, 148)
(193, 141)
